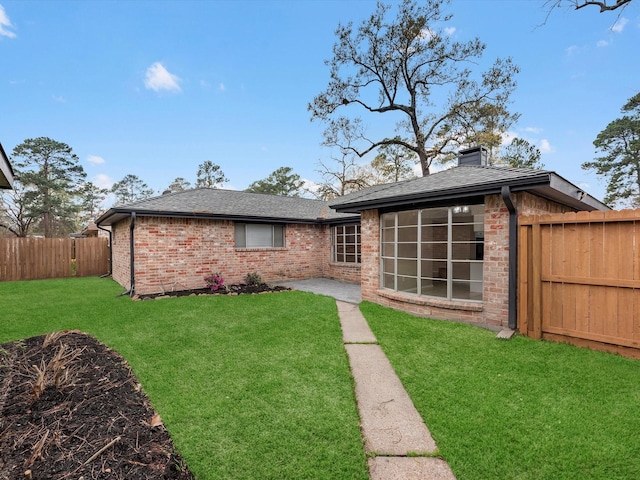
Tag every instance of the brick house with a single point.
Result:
(445, 245)
(171, 242)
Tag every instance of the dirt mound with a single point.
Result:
(71, 408)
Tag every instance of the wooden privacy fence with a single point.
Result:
(579, 279)
(39, 258)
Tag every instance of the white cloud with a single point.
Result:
(5, 24)
(95, 159)
(602, 43)
(545, 146)
(619, 25)
(572, 49)
(102, 180)
(221, 87)
(158, 78)
(533, 129)
(450, 30)
(59, 98)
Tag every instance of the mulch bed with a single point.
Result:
(70, 408)
(240, 289)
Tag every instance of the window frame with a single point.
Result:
(339, 238)
(242, 234)
(412, 242)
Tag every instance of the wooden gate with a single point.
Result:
(579, 279)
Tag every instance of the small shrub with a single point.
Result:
(215, 282)
(253, 279)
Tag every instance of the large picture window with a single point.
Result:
(259, 235)
(434, 252)
(345, 244)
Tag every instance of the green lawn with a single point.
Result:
(248, 386)
(518, 409)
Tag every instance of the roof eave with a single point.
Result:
(6, 172)
(444, 195)
(115, 215)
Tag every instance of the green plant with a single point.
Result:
(253, 279)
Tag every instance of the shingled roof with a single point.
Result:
(464, 183)
(229, 205)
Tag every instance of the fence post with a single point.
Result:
(536, 287)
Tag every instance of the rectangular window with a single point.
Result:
(435, 252)
(345, 244)
(259, 235)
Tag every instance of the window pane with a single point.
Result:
(241, 239)
(467, 290)
(388, 281)
(433, 288)
(388, 249)
(407, 234)
(278, 235)
(435, 216)
(461, 233)
(431, 269)
(408, 250)
(464, 251)
(388, 265)
(434, 234)
(434, 250)
(388, 235)
(259, 236)
(388, 220)
(407, 284)
(408, 218)
(407, 267)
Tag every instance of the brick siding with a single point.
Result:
(172, 254)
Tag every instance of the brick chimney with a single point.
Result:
(473, 156)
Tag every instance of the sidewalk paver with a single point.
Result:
(409, 468)
(355, 328)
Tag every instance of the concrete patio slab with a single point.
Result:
(390, 423)
(409, 468)
(355, 328)
(343, 291)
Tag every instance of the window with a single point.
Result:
(434, 252)
(259, 235)
(345, 244)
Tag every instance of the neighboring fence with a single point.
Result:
(39, 258)
(579, 279)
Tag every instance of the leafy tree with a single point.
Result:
(619, 143)
(392, 164)
(130, 189)
(179, 185)
(521, 154)
(51, 176)
(408, 67)
(92, 200)
(280, 182)
(210, 175)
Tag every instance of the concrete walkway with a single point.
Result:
(393, 431)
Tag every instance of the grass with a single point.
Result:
(248, 386)
(518, 409)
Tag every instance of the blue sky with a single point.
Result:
(154, 88)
